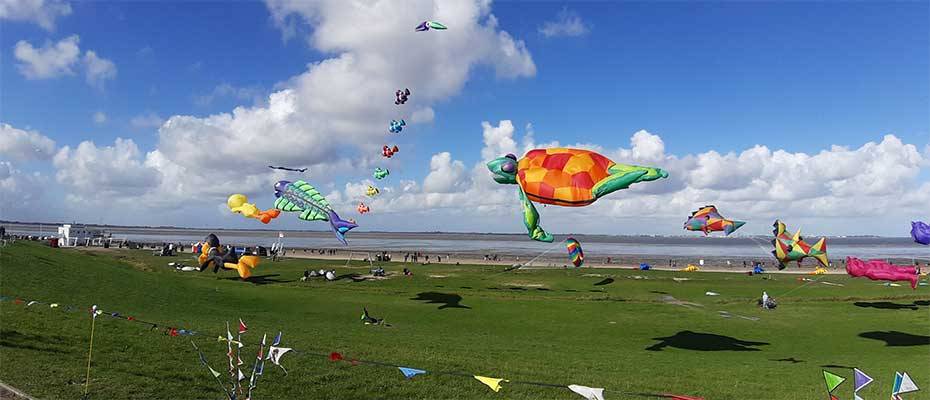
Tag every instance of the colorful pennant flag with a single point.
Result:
(902, 384)
(493, 383)
(588, 393)
(242, 327)
(832, 380)
(334, 356)
(861, 380)
(410, 372)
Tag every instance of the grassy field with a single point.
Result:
(557, 326)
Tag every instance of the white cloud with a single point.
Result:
(251, 93)
(21, 145)
(100, 117)
(445, 175)
(97, 69)
(147, 120)
(41, 12)
(567, 23)
(59, 59)
(104, 172)
(49, 61)
(422, 115)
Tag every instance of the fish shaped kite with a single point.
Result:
(707, 220)
(362, 208)
(388, 152)
(288, 169)
(239, 204)
(301, 197)
(574, 251)
(564, 177)
(427, 25)
(380, 173)
(401, 96)
(792, 247)
(396, 126)
(372, 191)
(879, 270)
(920, 232)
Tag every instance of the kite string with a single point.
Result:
(543, 253)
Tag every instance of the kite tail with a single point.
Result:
(820, 248)
(340, 226)
(731, 228)
(245, 265)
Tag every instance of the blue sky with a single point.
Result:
(799, 77)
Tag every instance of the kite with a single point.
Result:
(238, 204)
(878, 270)
(819, 271)
(401, 96)
(275, 352)
(902, 384)
(920, 232)
(380, 173)
(690, 268)
(288, 169)
(369, 320)
(362, 208)
(388, 152)
(707, 219)
(790, 247)
(212, 253)
(301, 196)
(427, 25)
(574, 251)
(564, 177)
(396, 126)
(372, 191)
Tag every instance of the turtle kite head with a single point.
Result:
(504, 169)
(280, 187)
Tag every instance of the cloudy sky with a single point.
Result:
(153, 113)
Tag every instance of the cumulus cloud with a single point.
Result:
(102, 172)
(50, 60)
(445, 175)
(98, 70)
(567, 23)
(22, 145)
(41, 12)
(54, 60)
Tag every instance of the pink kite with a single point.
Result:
(878, 270)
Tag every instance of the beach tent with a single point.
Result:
(644, 267)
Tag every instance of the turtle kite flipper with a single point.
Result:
(531, 220)
(622, 176)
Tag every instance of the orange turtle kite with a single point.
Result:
(565, 177)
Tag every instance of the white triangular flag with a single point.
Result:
(275, 353)
(588, 393)
(241, 375)
(907, 385)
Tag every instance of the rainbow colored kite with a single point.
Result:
(574, 251)
(792, 247)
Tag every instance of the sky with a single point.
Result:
(153, 113)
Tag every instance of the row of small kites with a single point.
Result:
(903, 384)
(234, 388)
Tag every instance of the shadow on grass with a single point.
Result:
(606, 281)
(448, 300)
(896, 339)
(887, 305)
(260, 279)
(688, 340)
(16, 340)
(789, 359)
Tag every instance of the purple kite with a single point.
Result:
(878, 270)
(920, 232)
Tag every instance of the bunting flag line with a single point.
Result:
(275, 352)
(861, 380)
(215, 373)
(410, 372)
(493, 383)
(588, 393)
(832, 380)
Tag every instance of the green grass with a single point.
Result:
(559, 328)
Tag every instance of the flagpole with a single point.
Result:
(215, 377)
(90, 352)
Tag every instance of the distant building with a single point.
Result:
(79, 235)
